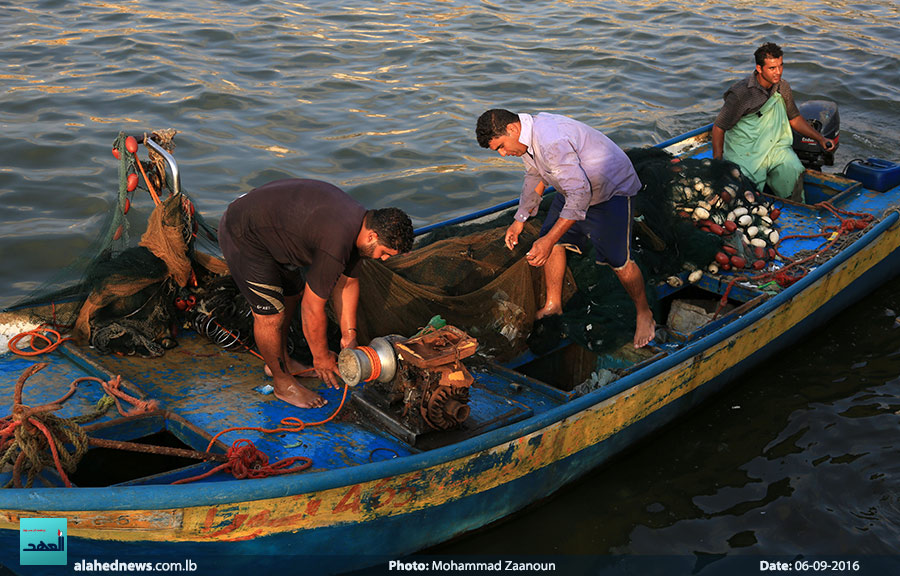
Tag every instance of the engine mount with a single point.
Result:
(420, 383)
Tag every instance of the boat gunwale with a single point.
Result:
(159, 497)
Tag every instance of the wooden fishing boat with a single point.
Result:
(374, 492)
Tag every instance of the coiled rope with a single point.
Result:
(26, 434)
(794, 270)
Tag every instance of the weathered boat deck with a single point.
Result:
(203, 389)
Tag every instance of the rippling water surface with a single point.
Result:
(381, 98)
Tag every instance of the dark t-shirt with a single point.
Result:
(747, 96)
(301, 224)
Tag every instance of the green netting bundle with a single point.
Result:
(128, 298)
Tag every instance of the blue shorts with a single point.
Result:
(606, 226)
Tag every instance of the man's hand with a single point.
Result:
(327, 369)
(540, 251)
(348, 339)
(512, 234)
(828, 144)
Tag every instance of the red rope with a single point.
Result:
(113, 388)
(791, 272)
(40, 426)
(246, 461)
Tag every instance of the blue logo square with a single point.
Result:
(42, 541)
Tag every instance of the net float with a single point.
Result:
(722, 258)
(759, 265)
(131, 182)
(730, 226)
(115, 152)
(729, 249)
(774, 214)
(774, 237)
(716, 229)
(738, 262)
(131, 144)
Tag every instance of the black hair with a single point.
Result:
(393, 226)
(492, 124)
(767, 50)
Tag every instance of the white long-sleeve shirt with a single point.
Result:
(579, 161)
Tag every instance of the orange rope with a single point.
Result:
(153, 195)
(374, 360)
(37, 333)
(289, 424)
(242, 453)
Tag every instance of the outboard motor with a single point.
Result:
(823, 116)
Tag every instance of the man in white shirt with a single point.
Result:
(596, 182)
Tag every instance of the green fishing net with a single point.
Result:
(138, 299)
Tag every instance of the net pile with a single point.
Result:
(123, 298)
(717, 198)
(135, 299)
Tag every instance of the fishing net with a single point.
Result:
(123, 298)
(136, 299)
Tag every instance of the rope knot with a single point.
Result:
(246, 460)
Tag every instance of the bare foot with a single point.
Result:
(646, 329)
(549, 309)
(299, 396)
(294, 367)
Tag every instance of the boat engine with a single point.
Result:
(420, 383)
(823, 116)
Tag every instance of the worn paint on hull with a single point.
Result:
(561, 450)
